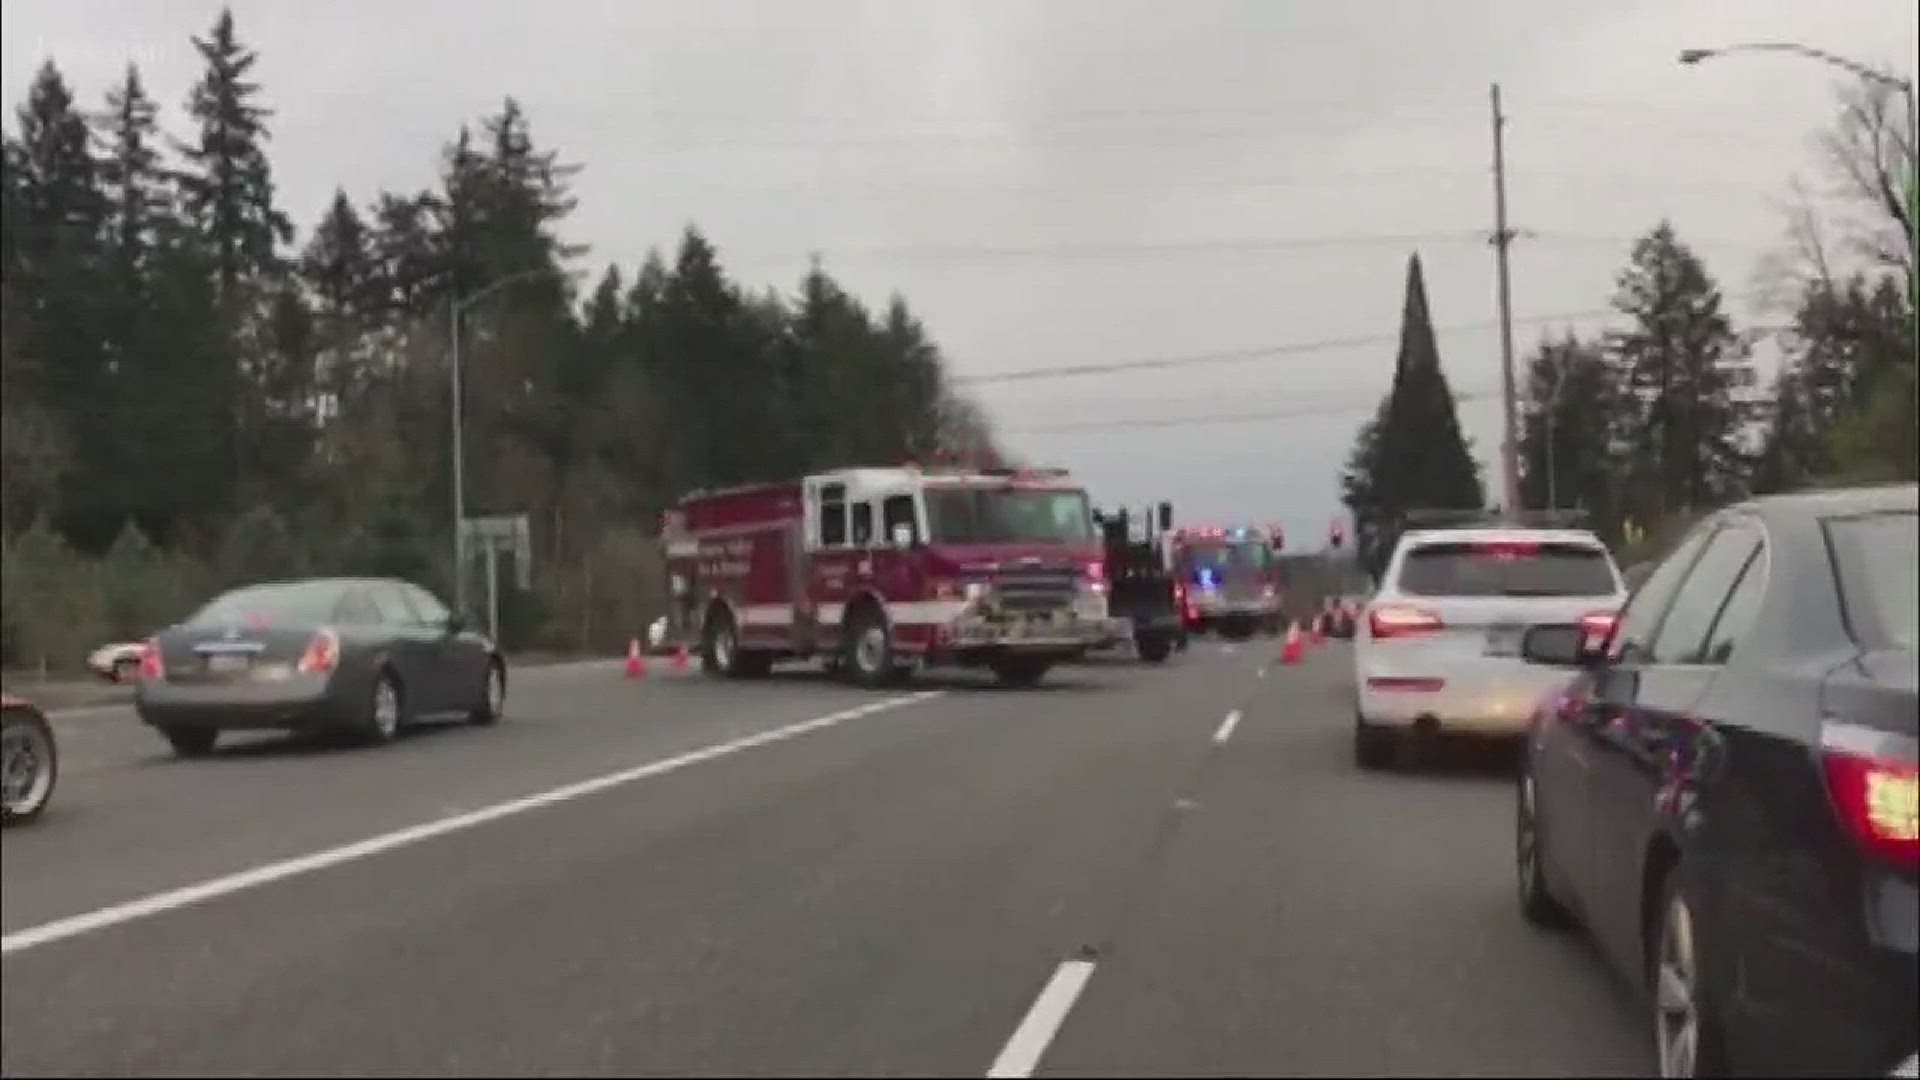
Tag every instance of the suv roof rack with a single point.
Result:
(1437, 519)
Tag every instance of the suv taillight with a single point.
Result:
(1875, 792)
(1401, 620)
(322, 654)
(152, 667)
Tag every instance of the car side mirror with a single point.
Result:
(455, 622)
(1554, 646)
(903, 535)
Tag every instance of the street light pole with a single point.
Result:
(1865, 74)
(457, 309)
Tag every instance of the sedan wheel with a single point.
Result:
(1688, 1038)
(1676, 1018)
(1537, 902)
(28, 767)
(383, 718)
(493, 697)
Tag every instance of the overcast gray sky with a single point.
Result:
(1061, 182)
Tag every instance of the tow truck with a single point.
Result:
(1142, 586)
(879, 571)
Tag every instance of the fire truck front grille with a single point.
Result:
(1035, 592)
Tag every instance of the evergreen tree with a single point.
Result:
(1413, 456)
(339, 271)
(58, 294)
(1682, 365)
(227, 187)
(1569, 437)
(134, 179)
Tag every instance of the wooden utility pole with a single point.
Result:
(1502, 239)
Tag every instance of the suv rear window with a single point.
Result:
(1506, 568)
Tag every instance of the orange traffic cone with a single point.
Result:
(680, 657)
(636, 664)
(1291, 648)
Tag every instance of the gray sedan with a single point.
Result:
(354, 656)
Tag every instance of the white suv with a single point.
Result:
(1438, 648)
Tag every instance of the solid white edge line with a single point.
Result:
(160, 902)
(1030, 1040)
(1226, 727)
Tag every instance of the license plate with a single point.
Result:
(227, 663)
(1504, 640)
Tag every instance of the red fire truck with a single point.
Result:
(878, 570)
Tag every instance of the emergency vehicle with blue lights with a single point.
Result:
(1229, 578)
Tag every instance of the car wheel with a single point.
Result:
(190, 741)
(1373, 746)
(1537, 903)
(29, 766)
(1687, 1035)
(493, 695)
(386, 711)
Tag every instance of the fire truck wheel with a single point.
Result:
(869, 649)
(719, 644)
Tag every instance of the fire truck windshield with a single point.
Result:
(990, 515)
(1224, 554)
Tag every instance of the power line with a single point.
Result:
(1297, 412)
(1262, 352)
(969, 256)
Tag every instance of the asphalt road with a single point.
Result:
(1133, 870)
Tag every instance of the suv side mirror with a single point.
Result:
(1554, 646)
(455, 622)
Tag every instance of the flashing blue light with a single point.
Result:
(1205, 577)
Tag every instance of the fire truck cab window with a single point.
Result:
(833, 515)
(896, 511)
(862, 524)
(994, 515)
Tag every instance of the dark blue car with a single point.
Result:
(1725, 795)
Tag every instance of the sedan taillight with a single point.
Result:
(152, 667)
(1596, 627)
(322, 654)
(1875, 791)
(1401, 620)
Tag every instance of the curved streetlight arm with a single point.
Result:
(1695, 56)
(462, 303)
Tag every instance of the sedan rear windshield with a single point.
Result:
(1507, 568)
(294, 603)
(1879, 575)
